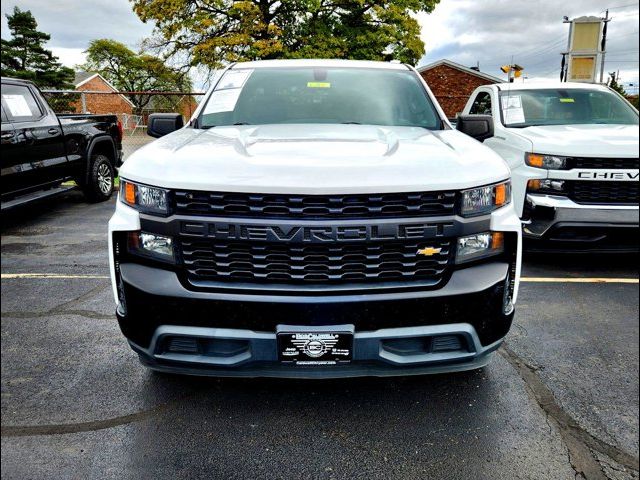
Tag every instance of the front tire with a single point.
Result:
(99, 186)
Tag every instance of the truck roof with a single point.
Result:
(321, 63)
(549, 85)
(17, 80)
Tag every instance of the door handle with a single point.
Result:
(52, 131)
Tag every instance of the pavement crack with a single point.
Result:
(64, 308)
(65, 428)
(81, 298)
(82, 313)
(580, 443)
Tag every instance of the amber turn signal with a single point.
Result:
(533, 185)
(497, 241)
(130, 193)
(535, 160)
(501, 194)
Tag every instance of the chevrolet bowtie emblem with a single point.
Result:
(429, 251)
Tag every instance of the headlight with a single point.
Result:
(548, 162)
(151, 245)
(479, 201)
(546, 186)
(145, 198)
(480, 245)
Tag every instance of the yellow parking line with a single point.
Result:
(48, 275)
(523, 279)
(578, 280)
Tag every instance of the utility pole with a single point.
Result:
(603, 45)
(564, 66)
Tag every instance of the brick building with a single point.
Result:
(453, 84)
(185, 105)
(99, 104)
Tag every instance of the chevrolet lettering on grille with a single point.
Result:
(316, 234)
(615, 176)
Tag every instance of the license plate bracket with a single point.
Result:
(315, 346)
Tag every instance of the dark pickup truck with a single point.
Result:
(42, 150)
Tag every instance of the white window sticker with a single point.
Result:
(514, 115)
(512, 110)
(513, 102)
(234, 79)
(223, 100)
(17, 105)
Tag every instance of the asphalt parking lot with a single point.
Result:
(559, 400)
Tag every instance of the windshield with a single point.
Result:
(319, 95)
(526, 108)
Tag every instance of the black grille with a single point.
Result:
(422, 204)
(623, 193)
(611, 163)
(295, 263)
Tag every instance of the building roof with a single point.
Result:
(462, 68)
(81, 78)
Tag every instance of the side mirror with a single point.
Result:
(160, 124)
(479, 127)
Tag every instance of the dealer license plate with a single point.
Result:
(315, 348)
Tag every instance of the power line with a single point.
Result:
(631, 50)
(528, 51)
(620, 6)
(626, 15)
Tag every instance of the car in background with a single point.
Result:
(573, 152)
(42, 150)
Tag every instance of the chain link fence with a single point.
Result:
(132, 108)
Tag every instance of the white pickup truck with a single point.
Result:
(315, 218)
(573, 153)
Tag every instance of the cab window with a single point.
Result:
(20, 104)
(482, 104)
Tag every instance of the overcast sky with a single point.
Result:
(490, 32)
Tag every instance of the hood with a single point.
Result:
(613, 141)
(315, 159)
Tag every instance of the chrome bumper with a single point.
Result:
(561, 210)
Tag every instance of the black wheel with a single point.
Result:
(99, 186)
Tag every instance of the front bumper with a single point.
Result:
(558, 223)
(370, 355)
(236, 334)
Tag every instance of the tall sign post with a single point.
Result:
(603, 45)
(586, 42)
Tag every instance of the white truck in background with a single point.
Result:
(573, 152)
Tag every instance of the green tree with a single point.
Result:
(135, 72)
(614, 85)
(24, 55)
(215, 32)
